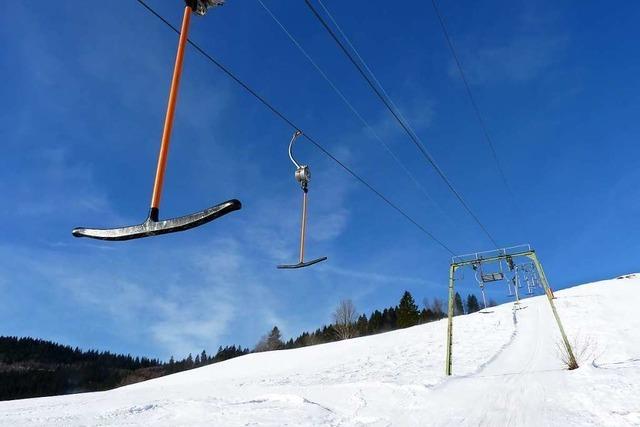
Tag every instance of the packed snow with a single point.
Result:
(505, 364)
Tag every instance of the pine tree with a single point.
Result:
(407, 312)
(274, 341)
(476, 303)
(426, 315)
(458, 308)
(375, 322)
(329, 334)
(271, 341)
(389, 319)
(472, 304)
(362, 325)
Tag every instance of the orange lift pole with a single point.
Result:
(168, 121)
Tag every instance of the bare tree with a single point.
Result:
(583, 350)
(436, 307)
(344, 319)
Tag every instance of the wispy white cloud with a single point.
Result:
(534, 44)
(55, 183)
(519, 59)
(376, 277)
(417, 109)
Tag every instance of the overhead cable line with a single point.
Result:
(364, 64)
(412, 135)
(472, 100)
(354, 110)
(290, 123)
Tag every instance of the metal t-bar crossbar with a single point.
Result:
(501, 254)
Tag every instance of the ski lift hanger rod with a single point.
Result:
(285, 119)
(302, 176)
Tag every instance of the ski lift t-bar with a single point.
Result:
(152, 225)
(302, 175)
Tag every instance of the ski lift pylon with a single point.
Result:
(302, 175)
(153, 226)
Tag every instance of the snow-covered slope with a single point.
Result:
(506, 372)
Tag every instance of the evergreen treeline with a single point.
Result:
(405, 314)
(32, 367)
(38, 351)
(202, 359)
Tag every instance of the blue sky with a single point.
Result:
(84, 91)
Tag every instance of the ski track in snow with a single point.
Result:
(506, 373)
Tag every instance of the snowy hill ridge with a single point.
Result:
(506, 372)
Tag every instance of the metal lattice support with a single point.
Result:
(507, 254)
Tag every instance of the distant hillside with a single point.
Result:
(34, 368)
